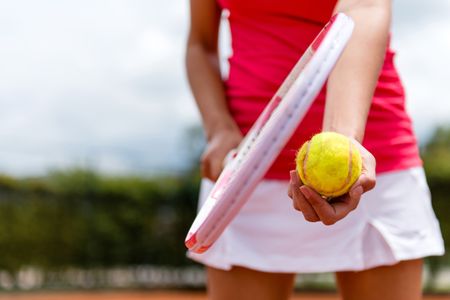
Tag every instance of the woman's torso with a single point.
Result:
(268, 37)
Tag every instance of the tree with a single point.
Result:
(436, 157)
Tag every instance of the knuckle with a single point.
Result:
(296, 206)
(215, 172)
(328, 222)
(354, 204)
(289, 193)
(204, 158)
(318, 204)
(369, 184)
(310, 218)
(203, 169)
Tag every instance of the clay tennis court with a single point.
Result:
(154, 296)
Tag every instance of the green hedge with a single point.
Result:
(83, 219)
(79, 218)
(436, 157)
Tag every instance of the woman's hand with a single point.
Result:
(203, 70)
(317, 209)
(219, 145)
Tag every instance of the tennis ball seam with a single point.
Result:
(304, 161)
(349, 173)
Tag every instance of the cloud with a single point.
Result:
(92, 82)
(413, 14)
(102, 83)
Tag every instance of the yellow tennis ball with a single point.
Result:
(329, 163)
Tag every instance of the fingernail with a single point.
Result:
(305, 191)
(294, 177)
(356, 192)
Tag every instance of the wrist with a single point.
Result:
(350, 132)
(218, 127)
(349, 123)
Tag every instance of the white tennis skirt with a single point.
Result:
(393, 222)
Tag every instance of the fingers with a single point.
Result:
(368, 176)
(210, 167)
(364, 184)
(356, 192)
(213, 158)
(342, 207)
(366, 180)
(216, 167)
(204, 166)
(331, 211)
(290, 191)
(321, 207)
(299, 201)
(315, 208)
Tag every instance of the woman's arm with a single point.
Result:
(202, 63)
(351, 84)
(350, 91)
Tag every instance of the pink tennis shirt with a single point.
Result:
(268, 37)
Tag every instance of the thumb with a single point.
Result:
(364, 184)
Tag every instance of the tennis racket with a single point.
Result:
(269, 134)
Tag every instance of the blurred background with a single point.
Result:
(100, 139)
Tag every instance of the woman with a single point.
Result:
(375, 245)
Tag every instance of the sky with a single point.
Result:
(101, 84)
